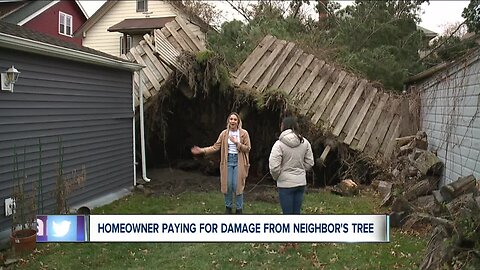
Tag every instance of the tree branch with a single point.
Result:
(443, 42)
(240, 11)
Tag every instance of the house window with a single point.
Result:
(142, 5)
(65, 24)
(125, 47)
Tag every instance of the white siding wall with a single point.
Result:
(450, 116)
(100, 39)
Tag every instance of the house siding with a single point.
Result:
(48, 21)
(100, 39)
(450, 116)
(87, 107)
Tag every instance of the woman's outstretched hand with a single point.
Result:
(233, 139)
(196, 150)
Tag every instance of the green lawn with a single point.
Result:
(405, 250)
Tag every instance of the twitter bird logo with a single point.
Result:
(61, 229)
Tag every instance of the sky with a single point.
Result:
(441, 13)
(436, 15)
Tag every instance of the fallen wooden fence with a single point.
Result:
(351, 108)
(159, 54)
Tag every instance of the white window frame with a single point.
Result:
(63, 24)
(129, 44)
(145, 5)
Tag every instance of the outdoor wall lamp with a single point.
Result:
(9, 78)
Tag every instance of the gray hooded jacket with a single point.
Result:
(290, 159)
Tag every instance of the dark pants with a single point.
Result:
(291, 199)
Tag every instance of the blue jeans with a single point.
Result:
(232, 178)
(291, 199)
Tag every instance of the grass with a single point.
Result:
(405, 251)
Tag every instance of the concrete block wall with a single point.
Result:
(450, 103)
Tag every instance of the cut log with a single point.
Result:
(384, 187)
(413, 219)
(438, 196)
(406, 149)
(400, 204)
(423, 187)
(421, 144)
(429, 164)
(346, 188)
(447, 224)
(350, 183)
(407, 144)
(426, 204)
(462, 186)
(434, 180)
(404, 140)
(465, 201)
(466, 215)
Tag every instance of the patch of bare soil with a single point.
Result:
(168, 181)
(171, 182)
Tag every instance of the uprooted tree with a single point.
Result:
(191, 109)
(378, 39)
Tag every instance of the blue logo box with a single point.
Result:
(61, 228)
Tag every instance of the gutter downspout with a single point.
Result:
(142, 129)
(133, 131)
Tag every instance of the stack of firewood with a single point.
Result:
(415, 175)
(453, 210)
(455, 240)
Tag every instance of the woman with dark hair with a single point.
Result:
(234, 146)
(291, 157)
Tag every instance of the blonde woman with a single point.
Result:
(234, 146)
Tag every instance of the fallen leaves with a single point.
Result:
(334, 259)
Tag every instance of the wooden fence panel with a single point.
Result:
(358, 114)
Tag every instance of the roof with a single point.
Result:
(428, 33)
(95, 18)
(140, 25)
(20, 12)
(7, 8)
(109, 4)
(25, 10)
(15, 37)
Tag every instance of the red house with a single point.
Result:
(56, 18)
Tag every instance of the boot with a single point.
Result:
(238, 212)
(228, 210)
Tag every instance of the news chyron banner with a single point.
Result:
(239, 228)
(62, 228)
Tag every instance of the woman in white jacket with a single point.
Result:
(290, 158)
